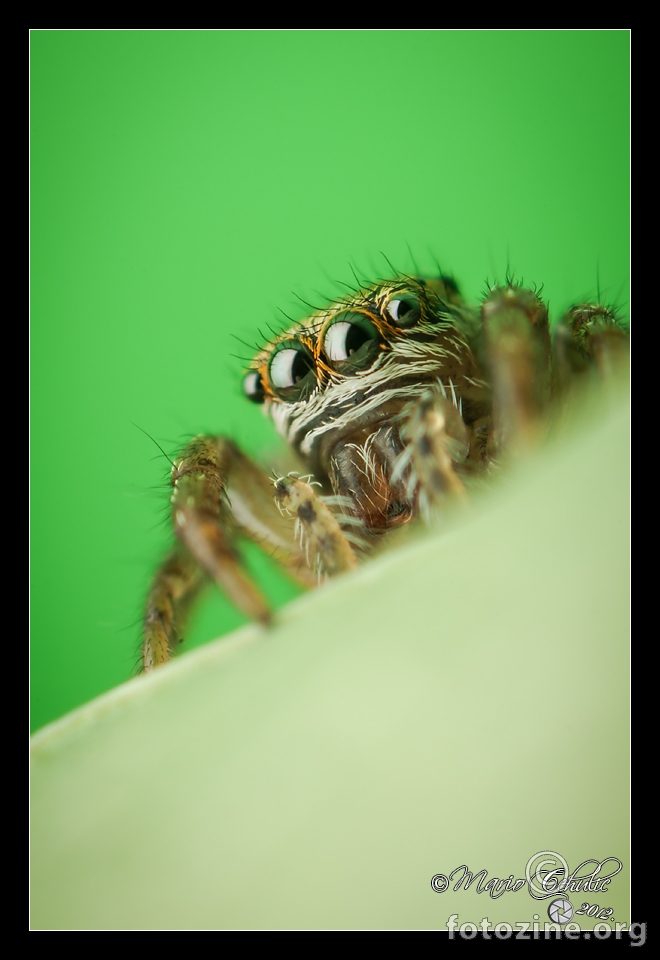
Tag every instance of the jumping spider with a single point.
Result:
(391, 397)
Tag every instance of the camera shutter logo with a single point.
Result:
(560, 911)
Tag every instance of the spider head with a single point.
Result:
(343, 363)
(336, 384)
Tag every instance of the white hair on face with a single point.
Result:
(312, 418)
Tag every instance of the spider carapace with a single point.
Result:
(391, 398)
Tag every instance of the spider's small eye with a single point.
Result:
(352, 342)
(253, 387)
(404, 310)
(292, 372)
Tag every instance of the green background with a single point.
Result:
(185, 183)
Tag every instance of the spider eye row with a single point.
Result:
(351, 343)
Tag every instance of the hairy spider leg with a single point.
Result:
(518, 350)
(175, 586)
(217, 492)
(437, 442)
(326, 546)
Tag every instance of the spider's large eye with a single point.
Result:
(352, 342)
(292, 372)
(404, 310)
(253, 387)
